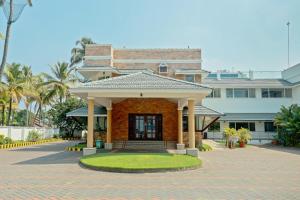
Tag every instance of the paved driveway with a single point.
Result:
(47, 172)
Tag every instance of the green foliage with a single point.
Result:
(55, 136)
(205, 147)
(8, 140)
(288, 122)
(33, 136)
(57, 115)
(244, 135)
(1, 139)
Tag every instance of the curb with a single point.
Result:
(137, 171)
(73, 149)
(24, 144)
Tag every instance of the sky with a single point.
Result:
(233, 34)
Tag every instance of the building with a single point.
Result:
(251, 102)
(157, 97)
(146, 95)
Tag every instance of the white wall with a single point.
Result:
(248, 105)
(21, 133)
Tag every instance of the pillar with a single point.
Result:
(180, 145)
(108, 144)
(90, 134)
(191, 122)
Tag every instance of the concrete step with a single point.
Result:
(136, 144)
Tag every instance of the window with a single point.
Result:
(270, 127)
(238, 125)
(185, 123)
(190, 78)
(163, 68)
(288, 92)
(240, 92)
(229, 93)
(215, 127)
(276, 92)
(252, 93)
(216, 93)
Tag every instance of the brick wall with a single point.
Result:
(163, 54)
(150, 106)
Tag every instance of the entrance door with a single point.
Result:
(145, 127)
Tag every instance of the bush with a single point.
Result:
(7, 140)
(55, 136)
(205, 147)
(244, 135)
(33, 136)
(1, 139)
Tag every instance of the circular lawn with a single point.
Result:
(139, 162)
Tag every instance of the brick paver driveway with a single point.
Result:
(47, 172)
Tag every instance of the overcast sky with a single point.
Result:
(239, 34)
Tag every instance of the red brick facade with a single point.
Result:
(121, 110)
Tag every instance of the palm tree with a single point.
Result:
(14, 86)
(44, 95)
(3, 103)
(10, 19)
(79, 51)
(61, 79)
(29, 91)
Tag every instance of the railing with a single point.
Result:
(256, 135)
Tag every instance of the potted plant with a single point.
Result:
(244, 136)
(230, 134)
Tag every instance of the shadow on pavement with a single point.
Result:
(56, 158)
(55, 146)
(292, 150)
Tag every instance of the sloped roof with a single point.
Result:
(142, 80)
(83, 112)
(202, 110)
(248, 116)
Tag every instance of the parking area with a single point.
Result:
(48, 172)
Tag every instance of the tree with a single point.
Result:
(288, 122)
(29, 91)
(11, 18)
(44, 95)
(14, 86)
(4, 99)
(79, 51)
(57, 115)
(61, 80)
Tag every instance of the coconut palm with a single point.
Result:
(44, 95)
(60, 80)
(79, 51)
(14, 86)
(3, 103)
(10, 19)
(29, 91)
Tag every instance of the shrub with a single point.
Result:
(1, 139)
(8, 140)
(205, 147)
(55, 136)
(229, 134)
(33, 136)
(244, 135)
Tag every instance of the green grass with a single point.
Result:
(205, 147)
(140, 161)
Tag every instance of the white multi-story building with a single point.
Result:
(251, 102)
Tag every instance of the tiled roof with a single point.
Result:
(247, 82)
(83, 112)
(142, 80)
(202, 110)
